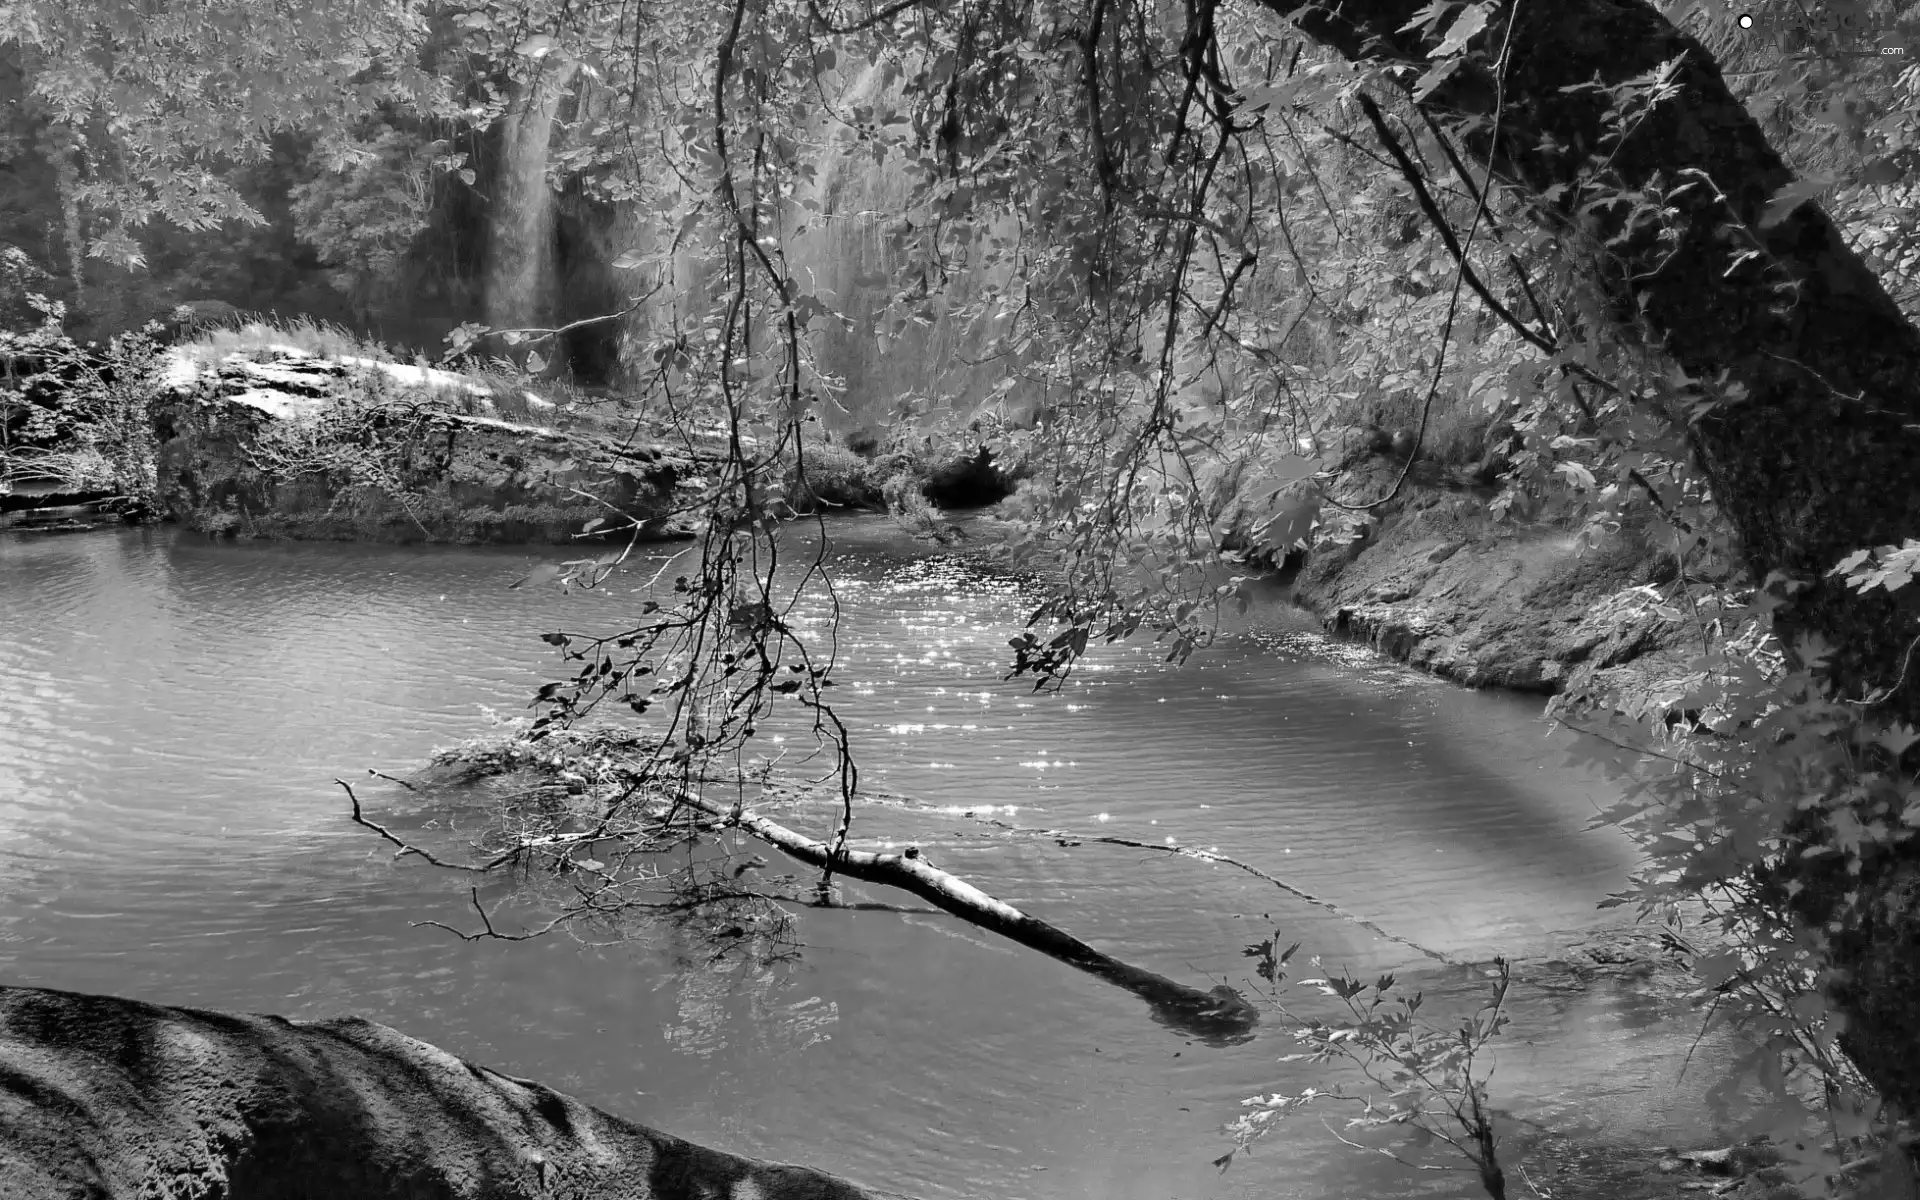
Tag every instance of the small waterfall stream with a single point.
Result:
(843, 239)
(519, 281)
(854, 254)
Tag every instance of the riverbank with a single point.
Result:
(1441, 585)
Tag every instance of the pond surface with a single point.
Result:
(173, 712)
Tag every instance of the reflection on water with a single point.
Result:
(173, 712)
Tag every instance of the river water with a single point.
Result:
(173, 712)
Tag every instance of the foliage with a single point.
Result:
(824, 473)
(910, 507)
(1710, 804)
(365, 211)
(78, 416)
(356, 434)
(1209, 241)
(345, 439)
(156, 104)
(20, 278)
(1760, 744)
(1435, 1088)
(260, 339)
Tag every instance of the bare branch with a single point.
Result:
(488, 932)
(1219, 1014)
(406, 848)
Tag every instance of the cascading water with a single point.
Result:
(853, 254)
(519, 286)
(844, 242)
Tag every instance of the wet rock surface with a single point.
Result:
(110, 1099)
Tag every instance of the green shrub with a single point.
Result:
(832, 476)
(261, 340)
(77, 416)
(911, 508)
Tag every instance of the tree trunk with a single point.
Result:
(1813, 454)
(1219, 1017)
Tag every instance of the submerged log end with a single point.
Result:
(1219, 1017)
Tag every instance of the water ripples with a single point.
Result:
(173, 712)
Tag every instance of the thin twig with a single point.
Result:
(488, 932)
(1439, 222)
(1382, 1150)
(1211, 857)
(406, 848)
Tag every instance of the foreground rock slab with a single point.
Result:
(105, 1099)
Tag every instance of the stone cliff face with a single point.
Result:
(1437, 582)
(109, 1099)
(1443, 588)
(276, 449)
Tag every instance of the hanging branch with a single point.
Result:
(1438, 220)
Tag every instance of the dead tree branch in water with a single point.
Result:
(1219, 1016)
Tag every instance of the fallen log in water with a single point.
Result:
(110, 1099)
(1220, 1016)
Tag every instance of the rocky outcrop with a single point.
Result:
(1529, 610)
(1440, 585)
(292, 445)
(108, 1099)
(1434, 579)
(50, 508)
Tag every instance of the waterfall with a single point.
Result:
(519, 283)
(850, 256)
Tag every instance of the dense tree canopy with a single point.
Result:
(1215, 231)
